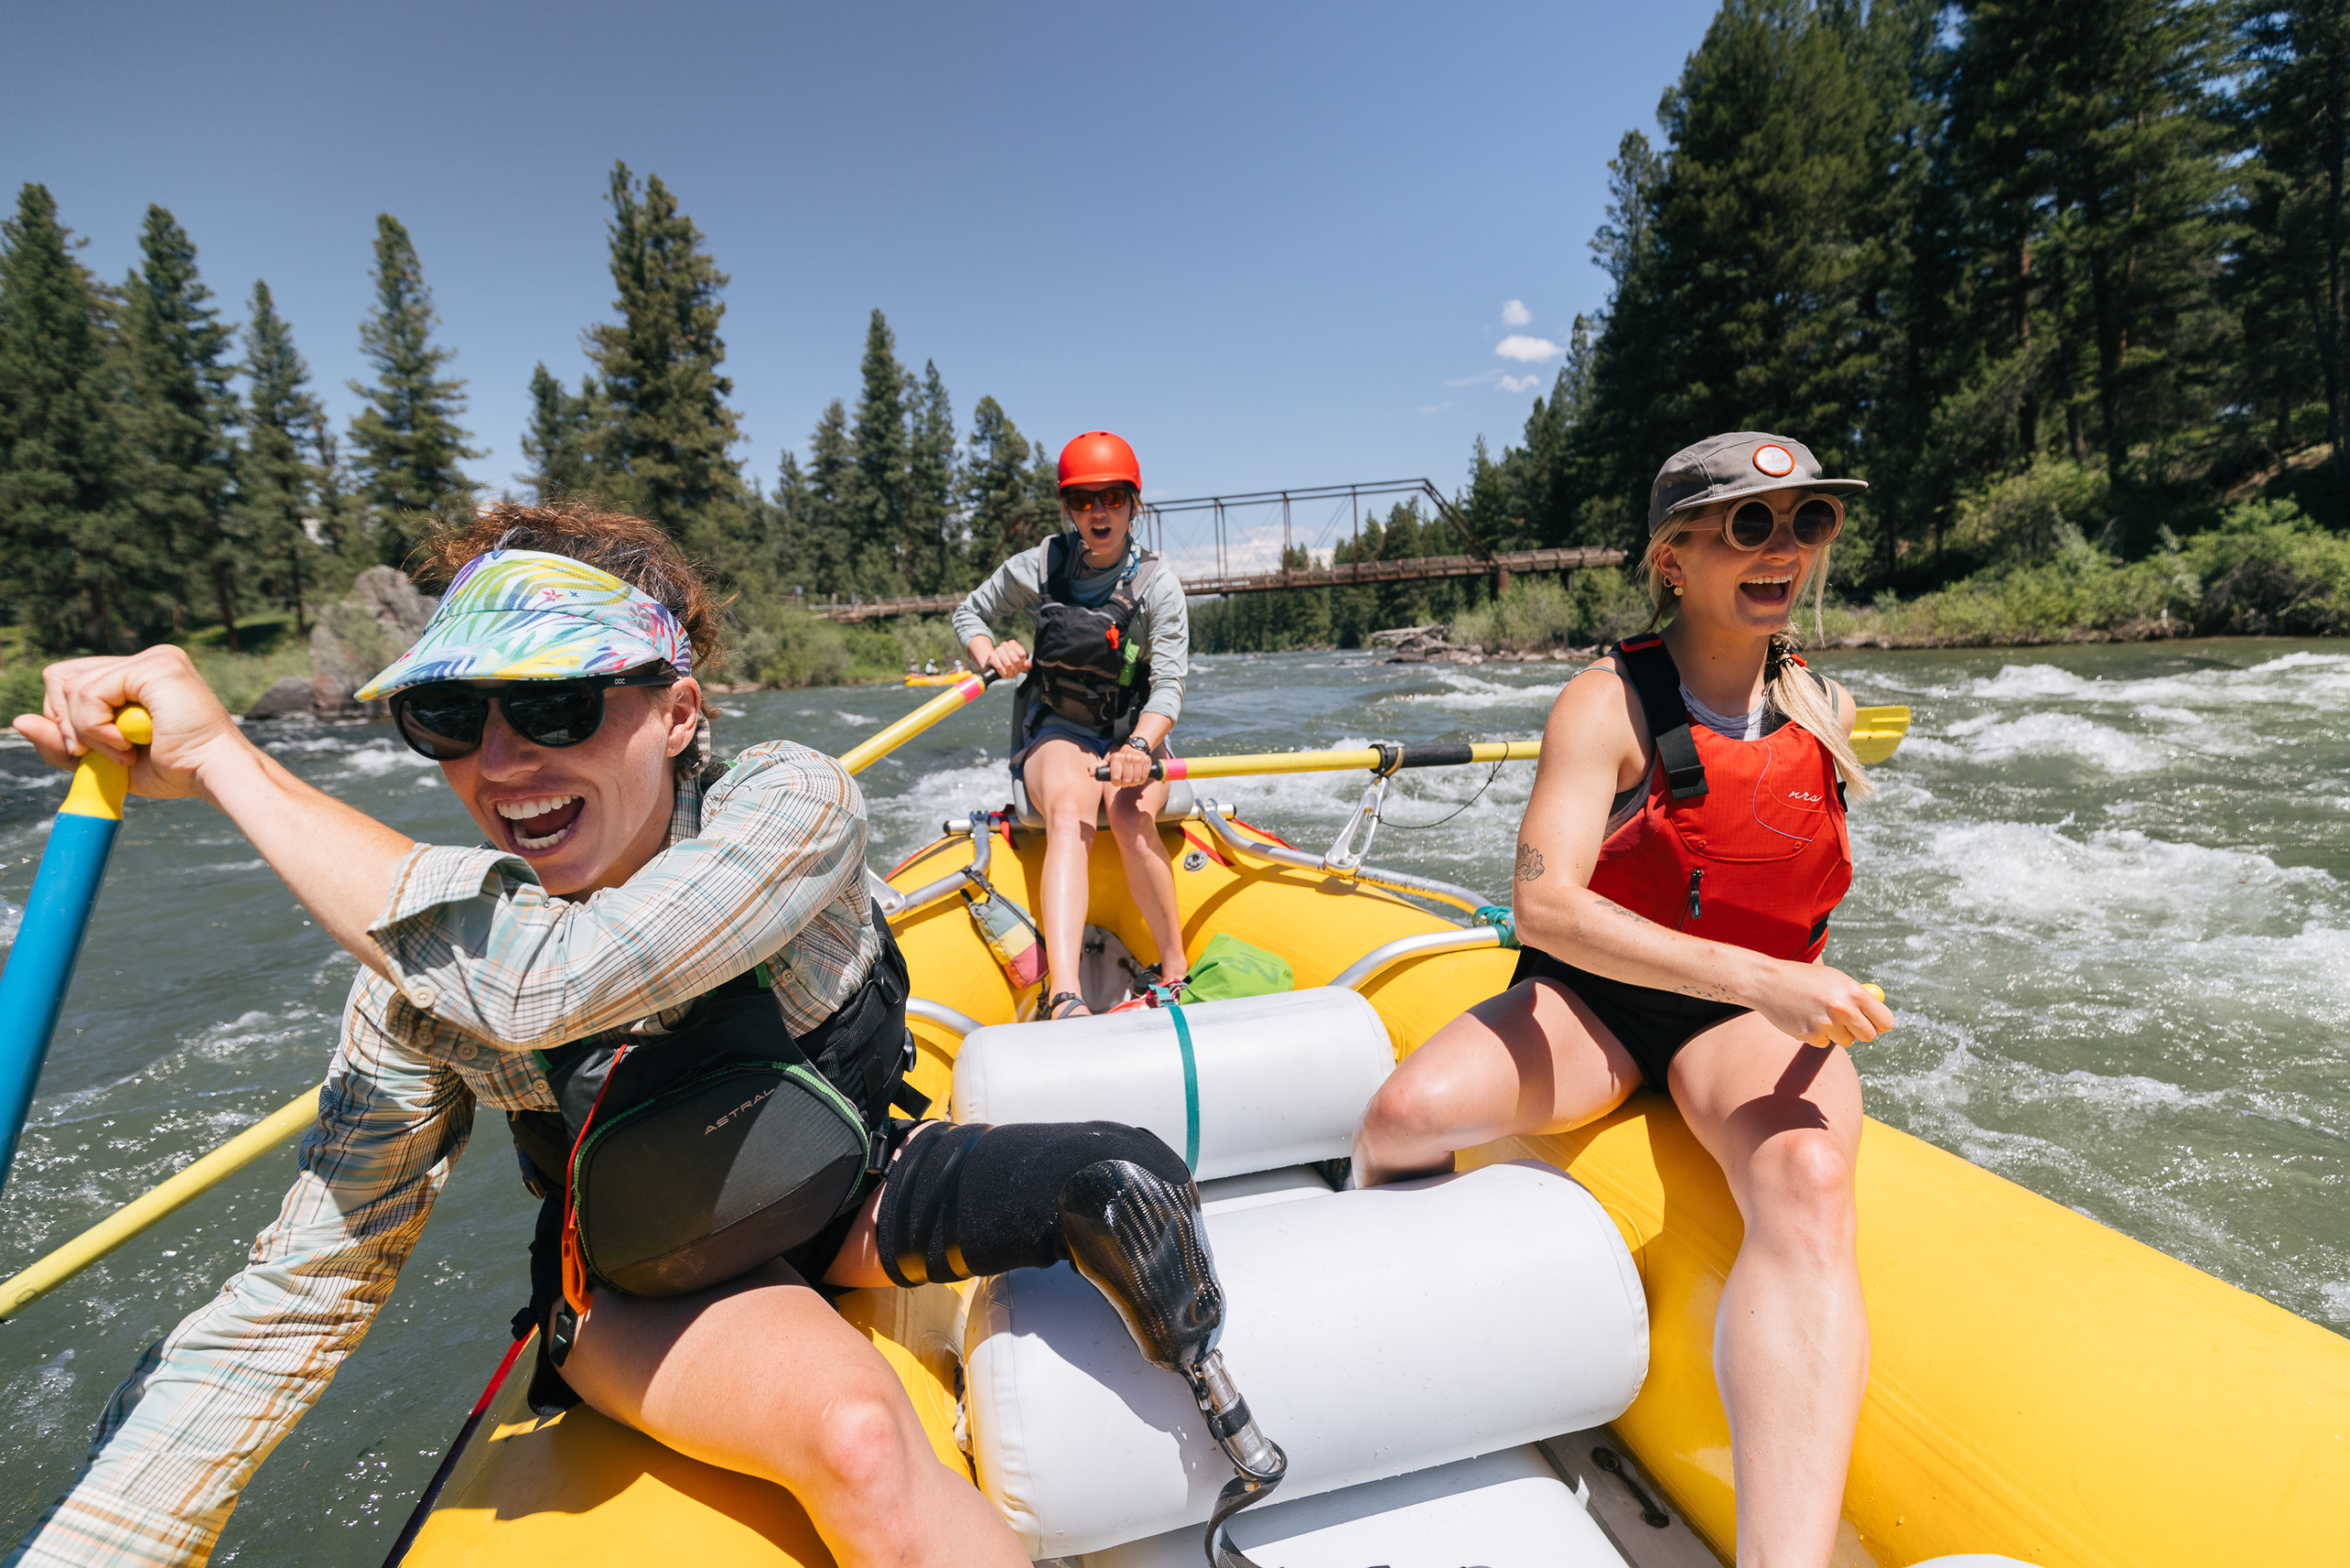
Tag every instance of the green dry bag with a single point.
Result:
(1229, 968)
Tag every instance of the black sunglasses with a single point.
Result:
(444, 720)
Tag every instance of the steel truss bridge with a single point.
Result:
(1480, 561)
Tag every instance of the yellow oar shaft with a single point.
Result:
(867, 752)
(1877, 732)
(157, 1203)
(1443, 755)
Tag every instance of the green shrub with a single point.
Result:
(774, 644)
(238, 679)
(1537, 613)
(2031, 516)
(2267, 568)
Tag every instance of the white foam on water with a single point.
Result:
(374, 761)
(1988, 738)
(2298, 679)
(2335, 1294)
(2117, 883)
(847, 718)
(300, 743)
(1472, 693)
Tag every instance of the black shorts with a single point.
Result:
(1651, 1025)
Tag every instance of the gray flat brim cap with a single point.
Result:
(1743, 462)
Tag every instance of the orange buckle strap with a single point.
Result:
(575, 1289)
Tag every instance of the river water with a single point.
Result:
(2108, 890)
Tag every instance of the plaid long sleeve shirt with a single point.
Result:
(767, 863)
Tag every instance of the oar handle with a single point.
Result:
(57, 916)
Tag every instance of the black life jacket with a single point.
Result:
(1087, 667)
(687, 1159)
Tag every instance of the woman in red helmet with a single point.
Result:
(1682, 849)
(1105, 682)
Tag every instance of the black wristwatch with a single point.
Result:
(1139, 743)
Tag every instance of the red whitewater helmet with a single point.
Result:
(1097, 457)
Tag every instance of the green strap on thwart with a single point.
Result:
(1191, 1091)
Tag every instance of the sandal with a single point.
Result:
(1061, 1002)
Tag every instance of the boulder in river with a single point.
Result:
(290, 698)
(383, 617)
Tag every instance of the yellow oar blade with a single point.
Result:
(1877, 732)
(158, 1202)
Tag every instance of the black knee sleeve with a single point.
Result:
(979, 1199)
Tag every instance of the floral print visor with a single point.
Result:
(529, 615)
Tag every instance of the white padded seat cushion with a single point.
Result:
(1280, 1080)
(1177, 807)
(1373, 1334)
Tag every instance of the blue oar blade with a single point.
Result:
(40, 965)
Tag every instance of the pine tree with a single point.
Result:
(2291, 275)
(664, 438)
(179, 418)
(880, 509)
(560, 440)
(935, 559)
(821, 529)
(62, 508)
(999, 496)
(277, 486)
(410, 446)
(344, 539)
(2103, 136)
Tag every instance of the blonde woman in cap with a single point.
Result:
(1680, 856)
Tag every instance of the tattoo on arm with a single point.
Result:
(1529, 862)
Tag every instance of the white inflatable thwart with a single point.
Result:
(1265, 1082)
(1357, 1325)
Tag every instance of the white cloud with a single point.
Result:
(1518, 383)
(1526, 349)
(1515, 314)
(1482, 377)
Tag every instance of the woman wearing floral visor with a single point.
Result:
(642, 927)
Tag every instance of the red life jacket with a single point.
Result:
(1737, 841)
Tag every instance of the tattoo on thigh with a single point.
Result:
(1529, 862)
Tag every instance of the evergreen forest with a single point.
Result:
(2067, 284)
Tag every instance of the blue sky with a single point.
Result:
(1272, 245)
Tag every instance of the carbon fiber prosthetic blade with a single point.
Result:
(1137, 1238)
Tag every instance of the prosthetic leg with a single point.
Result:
(1118, 1203)
(1137, 1238)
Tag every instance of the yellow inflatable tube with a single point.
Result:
(2039, 1386)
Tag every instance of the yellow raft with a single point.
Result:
(2040, 1386)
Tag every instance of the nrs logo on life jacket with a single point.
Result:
(1742, 842)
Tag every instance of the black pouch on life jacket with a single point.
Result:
(693, 1157)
